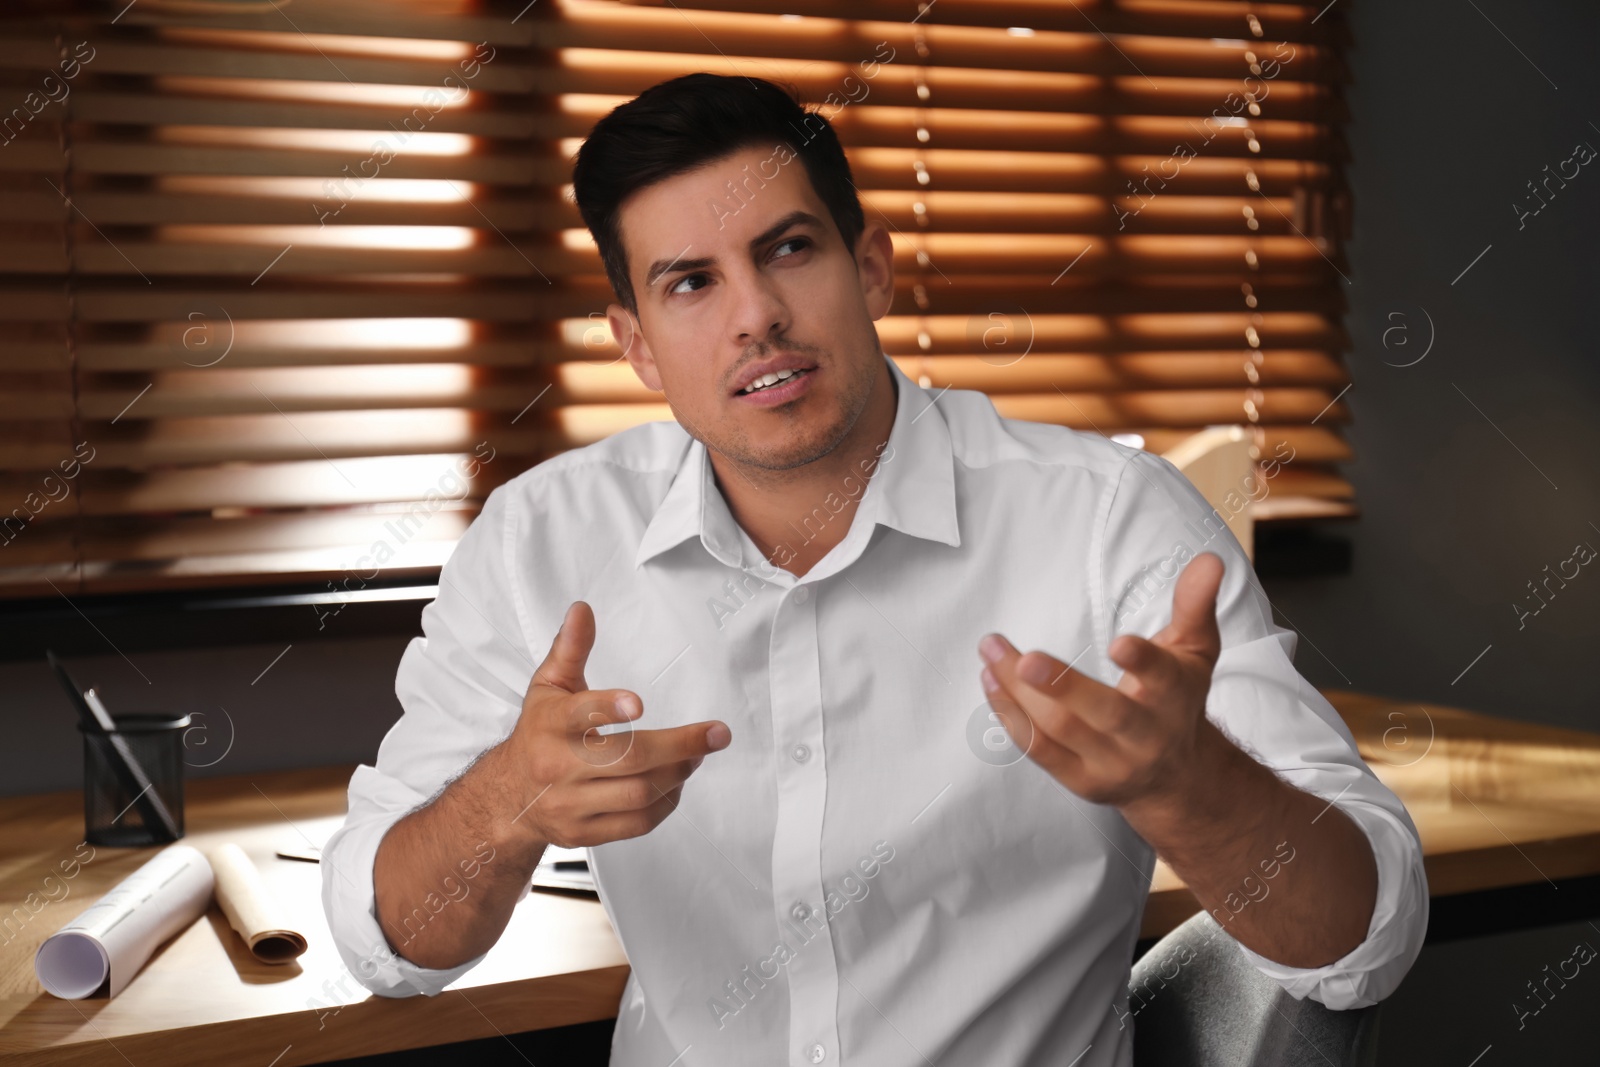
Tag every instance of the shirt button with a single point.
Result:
(801, 595)
(800, 911)
(817, 1053)
(801, 753)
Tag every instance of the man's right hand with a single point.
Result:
(585, 788)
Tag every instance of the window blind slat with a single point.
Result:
(1198, 306)
(194, 393)
(965, 254)
(574, 25)
(546, 215)
(475, 21)
(1180, 18)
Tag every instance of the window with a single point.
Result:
(285, 290)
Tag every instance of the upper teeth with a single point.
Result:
(769, 379)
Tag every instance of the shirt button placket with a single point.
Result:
(797, 875)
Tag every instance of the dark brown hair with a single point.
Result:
(687, 122)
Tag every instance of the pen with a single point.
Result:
(95, 719)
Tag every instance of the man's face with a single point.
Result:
(725, 282)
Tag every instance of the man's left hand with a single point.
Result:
(1142, 741)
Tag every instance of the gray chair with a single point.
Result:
(1195, 1001)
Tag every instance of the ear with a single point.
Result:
(875, 268)
(625, 330)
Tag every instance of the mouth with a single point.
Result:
(790, 385)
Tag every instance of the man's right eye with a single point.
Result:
(680, 281)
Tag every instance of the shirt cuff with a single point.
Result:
(1373, 969)
(350, 904)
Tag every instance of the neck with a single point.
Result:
(784, 511)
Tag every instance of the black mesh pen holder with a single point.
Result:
(133, 781)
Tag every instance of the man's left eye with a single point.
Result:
(800, 241)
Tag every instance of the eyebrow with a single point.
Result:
(793, 218)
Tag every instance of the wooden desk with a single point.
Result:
(1498, 803)
(203, 999)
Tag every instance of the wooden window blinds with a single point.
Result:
(286, 288)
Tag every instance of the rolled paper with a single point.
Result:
(251, 908)
(112, 938)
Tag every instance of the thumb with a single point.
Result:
(569, 652)
(1194, 608)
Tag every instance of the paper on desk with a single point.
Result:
(548, 876)
(251, 908)
(113, 937)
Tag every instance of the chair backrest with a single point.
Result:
(1217, 460)
(1196, 1001)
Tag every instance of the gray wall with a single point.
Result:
(327, 700)
(1449, 124)
(1475, 469)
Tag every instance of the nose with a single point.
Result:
(758, 311)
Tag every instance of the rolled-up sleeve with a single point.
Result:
(1155, 523)
(460, 687)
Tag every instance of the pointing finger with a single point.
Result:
(638, 751)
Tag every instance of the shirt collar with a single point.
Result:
(912, 489)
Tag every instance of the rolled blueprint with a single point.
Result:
(113, 937)
(251, 908)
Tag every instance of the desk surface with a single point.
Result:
(1498, 803)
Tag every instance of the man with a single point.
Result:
(842, 815)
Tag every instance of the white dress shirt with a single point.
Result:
(871, 873)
